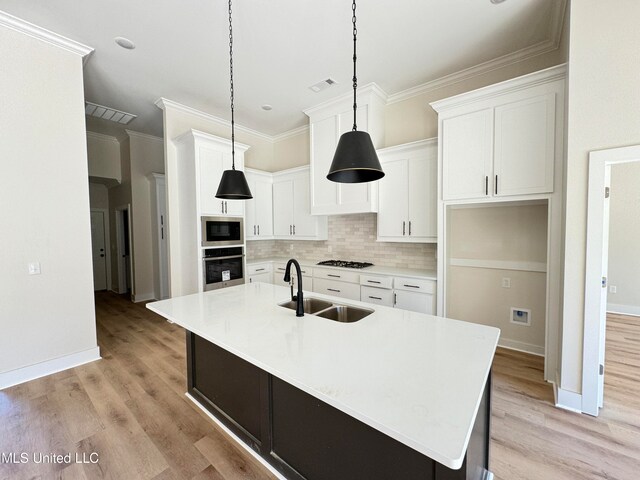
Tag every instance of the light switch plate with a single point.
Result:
(34, 268)
(613, 289)
(506, 282)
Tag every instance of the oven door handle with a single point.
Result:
(221, 258)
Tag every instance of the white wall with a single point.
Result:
(119, 196)
(98, 196)
(146, 156)
(603, 112)
(624, 239)
(45, 216)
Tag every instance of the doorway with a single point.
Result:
(100, 252)
(123, 248)
(597, 271)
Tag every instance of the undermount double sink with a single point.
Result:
(330, 310)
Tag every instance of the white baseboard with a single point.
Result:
(235, 437)
(566, 399)
(623, 309)
(143, 297)
(42, 369)
(521, 346)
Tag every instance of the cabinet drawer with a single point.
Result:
(334, 274)
(258, 268)
(337, 289)
(280, 268)
(379, 296)
(376, 281)
(414, 285)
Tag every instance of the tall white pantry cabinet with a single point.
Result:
(504, 144)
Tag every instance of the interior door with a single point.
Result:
(603, 291)
(283, 208)
(99, 251)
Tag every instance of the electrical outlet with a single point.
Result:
(506, 282)
(613, 289)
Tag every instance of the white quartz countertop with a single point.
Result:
(390, 271)
(417, 378)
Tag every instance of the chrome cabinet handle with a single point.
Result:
(375, 298)
(222, 206)
(254, 229)
(486, 184)
(372, 281)
(259, 269)
(403, 230)
(412, 286)
(409, 227)
(294, 229)
(290, 229)
(258, 229)
(334, 276)
(496, 184)
(395, 298)
(333, 290)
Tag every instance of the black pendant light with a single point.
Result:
(355, 160)
(233, 184)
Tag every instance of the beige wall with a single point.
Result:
(603, 112)
(146, 156)
(103, 154)
(624, 238)
(513, 234)
(292, 151)
(45, 197)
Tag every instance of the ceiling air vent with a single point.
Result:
(324, 84)
(106, 113)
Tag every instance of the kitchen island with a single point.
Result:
(397, 394)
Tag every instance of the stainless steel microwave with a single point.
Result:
(221, 231)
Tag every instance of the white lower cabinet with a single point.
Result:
(416, 302)
(307, 279)
(378, 296)
(261, 277)
(337, 288)
(259, 272)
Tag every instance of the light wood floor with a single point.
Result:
(130, 408)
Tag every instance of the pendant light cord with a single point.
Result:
(233, 146)
(355, 78)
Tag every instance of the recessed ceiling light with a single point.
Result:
(266, 107)
(125, 43)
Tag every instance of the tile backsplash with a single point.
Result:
(351, 237)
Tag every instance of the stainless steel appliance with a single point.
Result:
(345, 264)
(220, 231)
(222, 267)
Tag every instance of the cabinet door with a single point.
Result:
(233, 208)
(354, 195)
(283, 208)
(525, 146)
(250, 222)
(323, 137)
(393, 201)
(260, 277)
(263, 194)
(467, 155)
(422, 198)
(416, 302)
(304, 224)
(211, 167)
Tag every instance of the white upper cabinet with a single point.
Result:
(259, 210)
(407, 197)
(205, 157)
(327, 122)
(503, 140)
(292, 219)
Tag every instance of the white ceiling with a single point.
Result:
(281, 47)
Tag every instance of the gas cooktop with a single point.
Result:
(345, 264)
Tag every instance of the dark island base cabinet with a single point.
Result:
(305, 438)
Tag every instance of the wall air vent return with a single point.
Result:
(324, 84)
(106, 113)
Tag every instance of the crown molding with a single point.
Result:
(551, 74)
(404, 147)
(44, 35)
(290, 133)
(368, 89)
(165, 104)
(145, 136)
(103, 137)
(208, 137)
